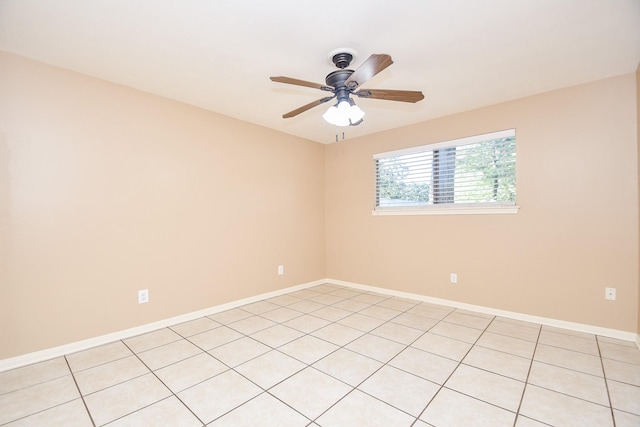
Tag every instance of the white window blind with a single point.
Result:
(478, 171)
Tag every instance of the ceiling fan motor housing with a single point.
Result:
(336, 80)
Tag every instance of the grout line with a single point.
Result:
(80, 392)
(276, 349)
(606, 383)
(272, 349)
(526, 381)
(363, 333)
(167, 387)
(456, 368)
(23, 417)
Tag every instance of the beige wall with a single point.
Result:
(576, 232)
(105, 190)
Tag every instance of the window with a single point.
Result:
(469, 175)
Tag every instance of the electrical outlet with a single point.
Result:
(454, 278)
(280, 270)
(610, 294)
(143, 296)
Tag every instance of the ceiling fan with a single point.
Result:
(343, 83)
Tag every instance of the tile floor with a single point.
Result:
(332, 356)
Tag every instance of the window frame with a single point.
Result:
(451, 208)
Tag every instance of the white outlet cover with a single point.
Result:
(143, 296)
(280, 270)
(454, 278)
(610, 294)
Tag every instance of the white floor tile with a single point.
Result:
(337, 334)
(215, 397)
(72, 413)
(308, 349)
(39, 397)
(506, 364)
(381, 313)
(277, 335)
(492, 388)
(270, 368)
(400, 389)
(569, 341)
(167, 412)
(98, 355)
(361, 322)
(152, 340)
(416, 321)
(558, 409)
(620, 353)
(167, 354)
(529, 332)
(347, 366)
(569, 359)
(189, 372)
(215, 337)
(360, 409)
(307, 323)
(625, 419)
(281, 314)
(251, 325)
(310, 392)
(230, 316)
(195, 326)
(426, 365)
(377, 348)
(239, 351)
(624, 397)
(468, 320)
(458, 332)
(398, 333)
(109, 374)
(450, 408)
(628, 373)
(572, 383)
(259, 307)
(37, 373)
(123, 399)
(265, 411)
(506, 344)
(442, 346)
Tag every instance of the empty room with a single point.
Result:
(322, 214)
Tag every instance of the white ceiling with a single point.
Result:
(218, 55)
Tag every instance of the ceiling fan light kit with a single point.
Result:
(344, 82)
(344, 113)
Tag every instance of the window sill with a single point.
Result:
(462, 210)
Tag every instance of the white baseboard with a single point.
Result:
(51, 353)
(578, 327)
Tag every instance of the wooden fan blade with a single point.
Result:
(307, 107)
(391, 95)
(291, 81)
(372, 66)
